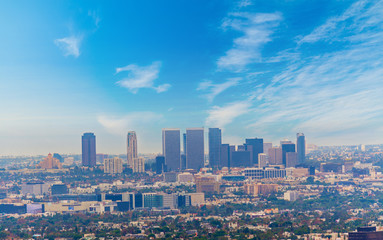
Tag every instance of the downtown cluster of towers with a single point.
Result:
(253, 153)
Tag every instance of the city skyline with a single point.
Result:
(265, 68)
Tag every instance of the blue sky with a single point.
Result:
(254, 68)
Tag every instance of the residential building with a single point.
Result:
(138, 165)
(207, 184)
(256, 189)
(113, 165)
(50, 163)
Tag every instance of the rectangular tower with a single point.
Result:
(195, 156)
(88, 149)
(257, 145)
(287, 146)
(275, 156)
(215, 141)
(171, 148)
(301, 147)
(131, 143)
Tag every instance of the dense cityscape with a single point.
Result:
(257, 190)
(179, 119)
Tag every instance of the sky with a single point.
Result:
(261, 68)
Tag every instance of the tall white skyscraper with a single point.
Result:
(171, 148)
(131, 144)
(195, 154)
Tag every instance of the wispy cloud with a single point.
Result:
(70, 45)
(95, 17)
(256, 29)
(221, 116)
(335, 93)
(245, 3)
(340, 24)
(136, 120)
(141, 77)
(215, 89)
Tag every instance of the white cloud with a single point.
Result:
(356, 13)
(141, 77)
(135, 120)
(334, 95)
(70, 45)
(244, 3)
(221, 116)
(162, 88)
(216, 89)
(257, 31)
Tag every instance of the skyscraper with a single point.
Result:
(266, 147)
(88, 149)
(257, 146)
(184, 143)
(171, 148)
(301, 147)
(195, 155)
(215, 141)
(275, 156)
(287, 146)
(225, 155)
(131, 143)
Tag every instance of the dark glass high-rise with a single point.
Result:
(257, 148)
(301, 147)
(215, 141)
(287, 147)
(88, 149)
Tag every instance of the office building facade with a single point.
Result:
(215, 142)
(88, 149)
(195, 154)
(257, 148)
(275, 156)
(171, 148)
(301, 147)
(287, 146)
